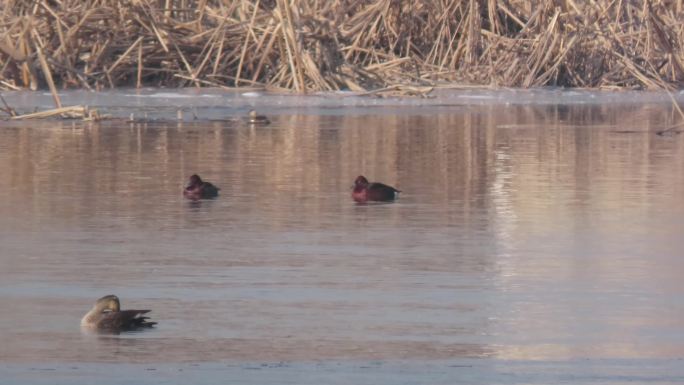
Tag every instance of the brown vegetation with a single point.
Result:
(312, 45)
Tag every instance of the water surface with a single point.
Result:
(532, 243)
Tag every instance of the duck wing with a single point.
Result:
(381, 192)
(125, 320)
(208, 190)
(381, 186)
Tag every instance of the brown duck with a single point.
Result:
(365, 191)
(107, 316)
(256, 119)
(198, 189)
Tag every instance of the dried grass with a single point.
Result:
(72, 112)
(312, 45)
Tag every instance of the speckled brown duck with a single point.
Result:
(107, 316)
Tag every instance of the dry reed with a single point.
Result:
(72, 112)
(360, 45)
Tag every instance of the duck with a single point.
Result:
(255, 119)
(199, 189)
(365, 191)
(107, 316)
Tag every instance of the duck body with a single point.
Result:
(199, 189)
(365, 191)
(107, 316)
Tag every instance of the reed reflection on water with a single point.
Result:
(522, 232)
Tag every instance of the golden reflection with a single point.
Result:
(509, 159)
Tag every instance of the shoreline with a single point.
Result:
(212, 107)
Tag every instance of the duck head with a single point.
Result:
(194, 181)
(361, 182)
(108, 302)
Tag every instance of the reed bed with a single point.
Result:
(319, 45)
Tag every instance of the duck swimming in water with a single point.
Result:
(256, 119)
(365, 191)
(199, 189)
(106, 315)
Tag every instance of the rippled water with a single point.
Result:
(536, 243)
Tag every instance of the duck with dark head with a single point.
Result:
(365, 191)
(199, 189)
(107, 316)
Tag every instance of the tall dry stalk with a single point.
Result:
(309, 45)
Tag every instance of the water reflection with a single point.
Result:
(522, 232)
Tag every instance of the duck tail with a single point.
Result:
(143, 322)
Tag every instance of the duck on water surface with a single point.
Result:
(365, 191)
(107, 316)
(199, 189)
